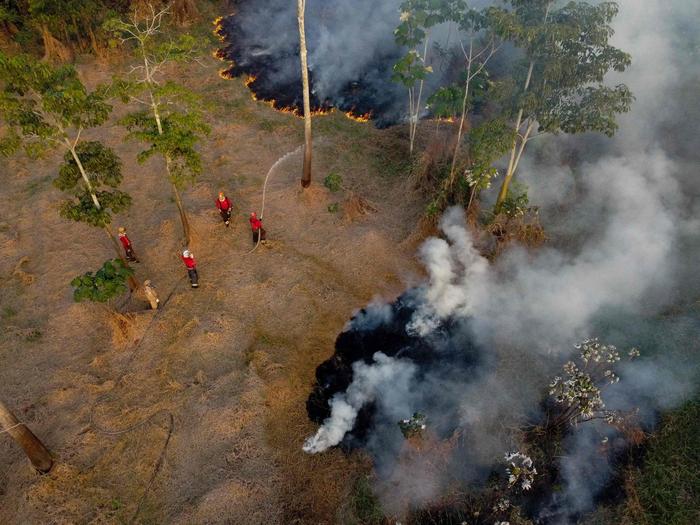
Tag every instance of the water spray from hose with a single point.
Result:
(272, 169)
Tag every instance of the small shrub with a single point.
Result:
(365, 503)
(412, 426)
(333, 208)
(333, 182)
(517, 200)
(108, 282)
(8, 312)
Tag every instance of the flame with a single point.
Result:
(249, 80)
(226, 74)
(359, 118)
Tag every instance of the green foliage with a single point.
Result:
(487, 143)
(516, 202)
(82, 208)
(410, 69)
(107, 283)
(570, 53)
(101, 164)
(669, 485)
(365, 504)
(412, 426)
(39, 102)
(181, 132)
(333, 182)
(8, 312)
(103, 168)
(173, 124)
(446, 102)
(334, 208)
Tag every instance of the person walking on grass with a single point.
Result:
(126, 243)
(191, 265)
(151, 294)
(223, 204)
(258, 231)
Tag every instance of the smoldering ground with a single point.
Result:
(622, 219)
(351, 53)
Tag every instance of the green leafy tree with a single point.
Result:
(413, 32)
(558, 86)
(172, 123)
(105, 284)
(46, 107)
(104, 169)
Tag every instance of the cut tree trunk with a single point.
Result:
(306, 172)
(37, 453)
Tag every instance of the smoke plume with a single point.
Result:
(386, 380)
(623, 249)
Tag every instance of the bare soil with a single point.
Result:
(233, 361)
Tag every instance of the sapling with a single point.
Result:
(579, 388)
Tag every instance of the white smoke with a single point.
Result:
(622, 221)
(385, 381)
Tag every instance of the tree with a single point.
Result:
(306, 171)
(475, 62)
(35, 450)
(559, 84)
(46, 107)
(417, 18)
(173, 123)
(107, 283)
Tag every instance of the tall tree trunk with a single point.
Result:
(517, 144)
(415, 109)
(460, 130)
(181, 209)
(133, 285)
(306, 172)
(35, 450)
(518, 147)
(156, 114)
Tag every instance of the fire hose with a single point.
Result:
(262, 209)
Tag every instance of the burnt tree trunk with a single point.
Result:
(306, 173)
(37, 453)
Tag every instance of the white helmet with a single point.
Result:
(186, 253)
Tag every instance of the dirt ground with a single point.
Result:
(231, 362)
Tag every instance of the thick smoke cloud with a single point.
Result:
(351, 53)
(622, 215)
(385, 381)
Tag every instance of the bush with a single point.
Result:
(333, 182)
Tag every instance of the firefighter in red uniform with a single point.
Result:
(191, 265)
(223, 204)
(257, 227)
(126, 243)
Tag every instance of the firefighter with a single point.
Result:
(223, 204)
(126, 243)
(257, 227)
(151, 294)
(191, 265)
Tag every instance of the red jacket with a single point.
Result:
(189, 262)
(223, 204)
(126, 243)
(255, 223)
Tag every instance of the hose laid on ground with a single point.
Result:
(116, 432)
